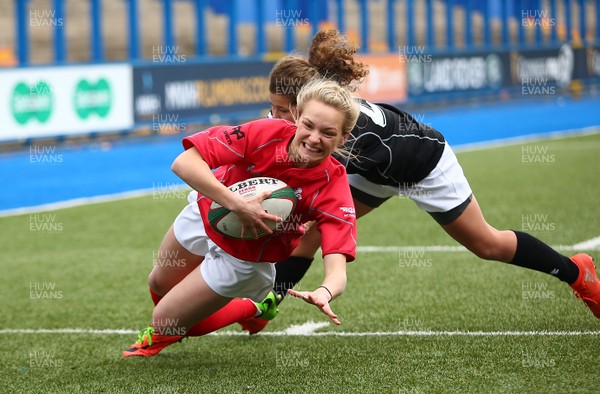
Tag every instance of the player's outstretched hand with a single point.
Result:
(318, 298)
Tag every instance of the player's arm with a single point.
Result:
(334, 281)
(193, 170)
(334, 284)
(336, 224)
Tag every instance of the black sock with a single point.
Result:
(534, 254)
(288, 273)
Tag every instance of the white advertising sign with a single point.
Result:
(53, 101)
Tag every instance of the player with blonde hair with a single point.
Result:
(219, 268)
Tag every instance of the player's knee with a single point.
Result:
(486, 252)
(160, 318)
(157, 284)
(494, 249)
(495, 246)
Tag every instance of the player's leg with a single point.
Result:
(204, 291)
(291, 271)
(256, 315)
(173, 264)
(449, 200)
(472, 231)
(189, 301)
(514, 247)
(287, 275)
(180, 251)
(524, 250)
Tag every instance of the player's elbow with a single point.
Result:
(182, 165)
(177, 166)
(186, 163)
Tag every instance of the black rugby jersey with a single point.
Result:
(390, 147)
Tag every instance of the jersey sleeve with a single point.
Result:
(221, 145)
(336, 218)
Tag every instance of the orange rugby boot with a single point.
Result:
(587, 285)
(150, 344)
(253, 325)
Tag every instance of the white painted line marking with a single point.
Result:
(77, 202)
(428, 248)
(69, 331)
(504, 142)
(305, 329)
(308, 330)
(590, 244)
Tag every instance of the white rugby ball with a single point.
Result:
(281, 203)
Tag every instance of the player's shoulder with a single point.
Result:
(336, 171)
(335, 190)
(376, 119)
(386, 109)
(270, 127)
(270, 123)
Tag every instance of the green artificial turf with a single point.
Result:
(87, 267)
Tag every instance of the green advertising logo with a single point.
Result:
(32, 102)
(90, 98)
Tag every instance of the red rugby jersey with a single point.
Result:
(259, 148)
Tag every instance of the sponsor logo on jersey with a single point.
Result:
(237, 131)
(348, 211)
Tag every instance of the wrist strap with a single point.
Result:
(330, 295)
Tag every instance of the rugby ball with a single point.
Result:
(281, 203)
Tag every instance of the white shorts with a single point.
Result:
(442, 190)
(224, 274)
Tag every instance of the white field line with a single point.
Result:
(588, 245)
(433, 333)
(553, 135)
(308, 330)
(68, 331)
(77, 202)
(395, 249)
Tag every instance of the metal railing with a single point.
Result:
(376, 25)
